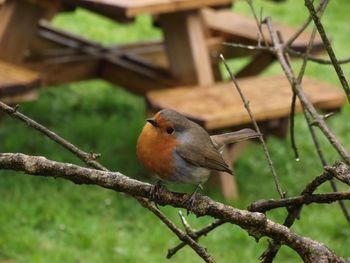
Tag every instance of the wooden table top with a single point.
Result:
(269, 98)
(132, 8)
(16, 80)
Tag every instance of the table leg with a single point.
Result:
(226, 181)
(18, 25)
(186, 48)
(259, 63)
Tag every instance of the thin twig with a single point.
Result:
(257, 129)
(197, 234)
(316, 59)
(270, 253)
(303, 99)
(290, 41)
(88, 158)
(291, 127)
(289, 51)
(323, 6)
(201, 251)
(266, 205)
(258, 22)
(186, 225)
(328, 47)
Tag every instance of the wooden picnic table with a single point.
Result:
(183, 29)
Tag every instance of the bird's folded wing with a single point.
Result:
(209, 158)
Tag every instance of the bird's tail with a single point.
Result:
(232, 137)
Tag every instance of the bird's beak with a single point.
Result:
(153, 122)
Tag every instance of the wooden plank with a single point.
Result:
(219, 106)
(15, 99)
(243, 29)
(126, 9)
(66, 69)
(15, 80)
(185, 44)
(133, 76)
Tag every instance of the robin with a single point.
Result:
(179, 150)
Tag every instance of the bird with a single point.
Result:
(179, 150)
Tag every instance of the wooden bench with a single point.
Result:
(219, 106)
(242, 29)
(17, 84)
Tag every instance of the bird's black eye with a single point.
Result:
(170, 130)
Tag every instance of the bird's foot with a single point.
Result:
(189, 202)
(155, 192)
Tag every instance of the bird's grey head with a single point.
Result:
(170, 122)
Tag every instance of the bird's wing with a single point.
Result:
(207, 157)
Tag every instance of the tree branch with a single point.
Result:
(256, 224)
(265, 205)
(90, 160)
(302, 97)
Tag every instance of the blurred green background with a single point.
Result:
(49, 220)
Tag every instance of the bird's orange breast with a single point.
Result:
(155, 151)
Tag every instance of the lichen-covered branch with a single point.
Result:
(256, 224)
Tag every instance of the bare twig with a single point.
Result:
(197, 234)
(290, 51)
(316, 59)
(302, 97)
(291, 127)
(290, 41)
(266, 205)
(246, 105)
(328, 47)
(308, 108)
(88, 158)
(186, 225)
(201, 251)
(323, 6)
(258, 22)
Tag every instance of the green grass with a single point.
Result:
(49, 220)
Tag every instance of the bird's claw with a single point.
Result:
(155, 192)
(189, 202)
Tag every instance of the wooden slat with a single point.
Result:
(133, 76)
(126, 9)
(243, 29)
(66, 69)
(15, 80)
(219, 106)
